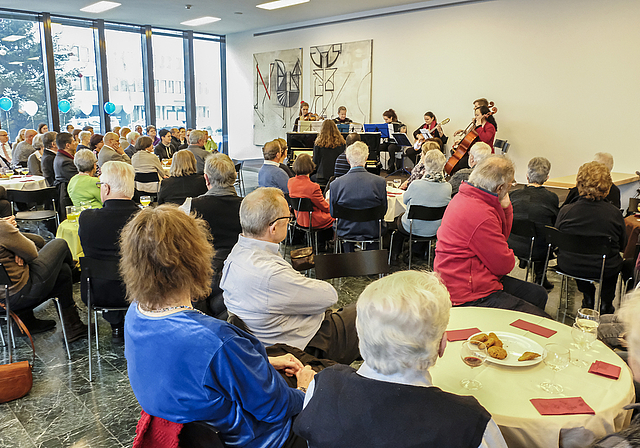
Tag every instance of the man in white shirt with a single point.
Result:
(5, 149)
(277, 303)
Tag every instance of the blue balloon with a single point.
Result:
(109, 107)
(5, 103)
(64, 106)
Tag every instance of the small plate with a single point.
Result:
(515, 345)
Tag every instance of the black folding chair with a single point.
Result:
(93, 269)
(239, 178)
(147, 178)
(421, 213)
(526, 229)
(359, 215)
(304, 205)
(351, 264)
(6, 282)
(582, 245)
(43, 197)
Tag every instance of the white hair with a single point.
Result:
(605, 158)
(492, 172)
(195, 136)
(480, 151)
(433, 161)
(84, 160)
(83, 135)
(119, 176)
(401, 319)
(37, 141)
(357, 153)
(220, 170)
(538, 170)
(630, 315)
(132, 137)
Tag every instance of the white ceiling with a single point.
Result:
(169, 13)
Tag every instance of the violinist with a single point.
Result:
(390, 116)
(431, 124)
(304, 115)
(486, 125)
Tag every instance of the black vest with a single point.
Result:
(348, 410)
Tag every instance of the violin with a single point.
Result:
(311, 117)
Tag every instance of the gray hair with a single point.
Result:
(433, 161)
(220, 170)
(538, 170)
(195, 136)
(401, 320)
(49, 139)
(37, 141)
(258, 209)
(132, 137)
(605, 158)
(109, 137)
(84, 135)
(120, 177)
(357, 153)
(480, 151)
(492, 172)
(84, 160)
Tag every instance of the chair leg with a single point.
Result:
(429, 256)
(64, 330)
(95, 324)
(89, 333)
(526, 275)
(410, 250)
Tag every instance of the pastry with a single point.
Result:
(497, 352)
(527, 356)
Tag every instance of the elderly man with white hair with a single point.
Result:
(85, 137)
(472, 254)
(478, 152)
(390, 401)
(197, 140)
(277, 303)
(358, 190)
(614, 193)
(111, 151)
(130, 150)
(99, 231)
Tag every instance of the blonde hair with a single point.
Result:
(183, 163)
(165, 252)
(593, 181)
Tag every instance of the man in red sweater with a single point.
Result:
(472, 254)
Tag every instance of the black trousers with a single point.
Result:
(337, 338)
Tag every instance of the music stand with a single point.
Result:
(383, 129)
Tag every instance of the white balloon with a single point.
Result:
(128, 107)
(86, 108)
(30, 107)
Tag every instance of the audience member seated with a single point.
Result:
(164, 149)
(63, 165)
(277, 303)
(48, 156)
(591, 215)
(534, 203)
(96, 142)
(34, 164)
(5, 149)
(197, 140)
(220, 208)
(36, 276)
(418, 170)
(342, 165)
(22, 151)
(124, 132)
(328, 146)
(358, 189)
(301, 186)
(111, 150)
(84, 140)
(284, 166)
(390, 400)
(183, 181)
(99, 232)
(82, 187)
(478, 152)
(152, 132)
(472, 254)
(614, 193)
(429, 191)
(270, 174)
(211, 371)
(145, 161)
(132, 137)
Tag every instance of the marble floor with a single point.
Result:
(65, 409)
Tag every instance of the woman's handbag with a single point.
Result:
(302, 259)
(16, 378)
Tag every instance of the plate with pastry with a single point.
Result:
(508, 349)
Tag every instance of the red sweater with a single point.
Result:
(303, 187)
(487, 133)
(472, 253)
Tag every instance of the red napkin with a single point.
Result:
(561, 406)
(461, 335)
(605, 369)
(533, 328)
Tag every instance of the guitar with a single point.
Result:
(461, 148)
(442, 123)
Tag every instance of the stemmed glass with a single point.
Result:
(557, 358)
(145, 200)
(583, 340)
(473, 355)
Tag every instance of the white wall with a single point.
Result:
(565, 75)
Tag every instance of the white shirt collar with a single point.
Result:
(254, 243)
(408, 377)
(271, 162)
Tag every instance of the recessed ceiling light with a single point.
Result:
(100, 7)
(200, 21)
(280, 4)
(13, 38)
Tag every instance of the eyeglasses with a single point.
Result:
(101, 183)
(291, 217)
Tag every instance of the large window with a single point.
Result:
(22, 96)
(126, 86)
(168, 71)
(76, 82)
(208, 87)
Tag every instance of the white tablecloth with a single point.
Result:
(506, 391)
(24, 183)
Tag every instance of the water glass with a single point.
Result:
(72, 213)
(557, 358)
(85, 205)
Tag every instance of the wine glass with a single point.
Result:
(583, 340)
(145, 200)
(557, 358)
(588, 319)
(473, 355)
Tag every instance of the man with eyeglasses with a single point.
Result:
(277, 303)
(472, 254)
(5, 150)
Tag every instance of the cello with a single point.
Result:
(465, 144)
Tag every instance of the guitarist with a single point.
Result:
(434, 128)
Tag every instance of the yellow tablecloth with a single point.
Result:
(68, 231)
(506, 391)
(24, 183)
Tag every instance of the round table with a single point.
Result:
(506, 391)
(68, 231)
(395, 205)
(24, 183)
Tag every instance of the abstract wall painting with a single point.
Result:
(277, 93)
(341, 76)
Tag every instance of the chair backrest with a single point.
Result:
(633, 205)
(362, 215)
(301, 204)
(583, 245)
(199, 434)
(238, 167)
(4, 276)
(424, 213)
(351, 264)
(41, 196)
(524, 227)
(147, 178)
(102, 269)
